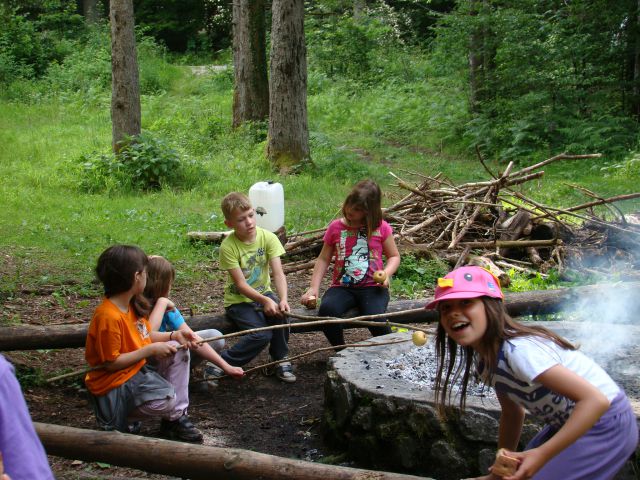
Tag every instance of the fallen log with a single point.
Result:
(539, 302)
(186, 460)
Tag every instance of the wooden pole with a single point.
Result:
(190, 461)
(33, 337)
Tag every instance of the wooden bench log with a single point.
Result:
(34, 337)
(186, 460)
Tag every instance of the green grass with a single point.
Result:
(53, 231)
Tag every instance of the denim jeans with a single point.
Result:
(338, 300)
(247, 316)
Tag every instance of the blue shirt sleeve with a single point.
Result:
(171, 321)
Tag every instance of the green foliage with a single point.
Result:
(524, 282)
(416, 275)
(144, 163)
(551, 77)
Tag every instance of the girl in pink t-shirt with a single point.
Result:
(357, 243)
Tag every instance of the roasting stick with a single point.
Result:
(311, 352)
(363, 321)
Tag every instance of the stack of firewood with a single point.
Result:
(494, 220)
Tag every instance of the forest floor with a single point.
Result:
(257, 413)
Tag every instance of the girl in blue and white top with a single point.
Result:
(160, 277)
(590, 430)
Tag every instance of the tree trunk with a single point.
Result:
(636, 63)
(186, 460)
(32, 337)
(125, 83)
(251, 84)
(90, 11)
(288, 142)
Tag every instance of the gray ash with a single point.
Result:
(419, 366)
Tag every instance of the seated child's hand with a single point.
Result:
(235, 372)
(310, 298)
(163, 349)
(191, 339)
(168, 304)
(271, 308)
(284, 306)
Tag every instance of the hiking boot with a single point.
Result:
(284, 371)
(212, 373)
(180, 429)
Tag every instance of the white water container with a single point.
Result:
(267, 199)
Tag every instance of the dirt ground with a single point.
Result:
(257, 413)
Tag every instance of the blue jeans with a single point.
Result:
(247, 316)
(338, 300)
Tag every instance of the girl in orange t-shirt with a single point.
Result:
(136, 372)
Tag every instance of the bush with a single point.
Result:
(143, 163)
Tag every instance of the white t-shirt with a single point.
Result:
(522, 359)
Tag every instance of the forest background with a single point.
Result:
(393, 85)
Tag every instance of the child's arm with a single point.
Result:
(269, 306)
(390, 250)
(155, 317)
(511, 421)
(156, 349)
(280, 281)
(319, 270)
(590, 405)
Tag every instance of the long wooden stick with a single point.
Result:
(312, 352)
(313, 321)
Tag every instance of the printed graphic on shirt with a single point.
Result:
(355, 255)
(141, 326)
(252, 267)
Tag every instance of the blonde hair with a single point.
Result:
(234, 201)
(160, 276)
(366, 195)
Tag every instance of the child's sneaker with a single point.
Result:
(180, 429)
(212, 373)
(284, 371)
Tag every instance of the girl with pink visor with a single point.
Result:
(590, 428)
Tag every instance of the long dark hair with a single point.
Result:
(455, 361)
(116, 269)
(366, 195)
(160, 276)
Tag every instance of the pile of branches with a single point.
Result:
(494, 219)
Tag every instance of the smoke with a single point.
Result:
(606, 327)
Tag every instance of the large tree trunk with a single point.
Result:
(90, 11)
(523, 303)
(288, 142)
(251, 84)
(125, 83)
(190, 461)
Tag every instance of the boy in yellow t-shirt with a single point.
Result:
(248, 254)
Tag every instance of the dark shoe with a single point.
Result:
(134, 427)
(180, 429)
(284, 371)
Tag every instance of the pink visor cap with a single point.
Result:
(466, 282)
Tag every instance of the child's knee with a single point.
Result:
(217, 345)
(262, 337)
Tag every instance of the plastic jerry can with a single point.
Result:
(267, 199)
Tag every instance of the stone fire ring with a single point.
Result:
(391, 424)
